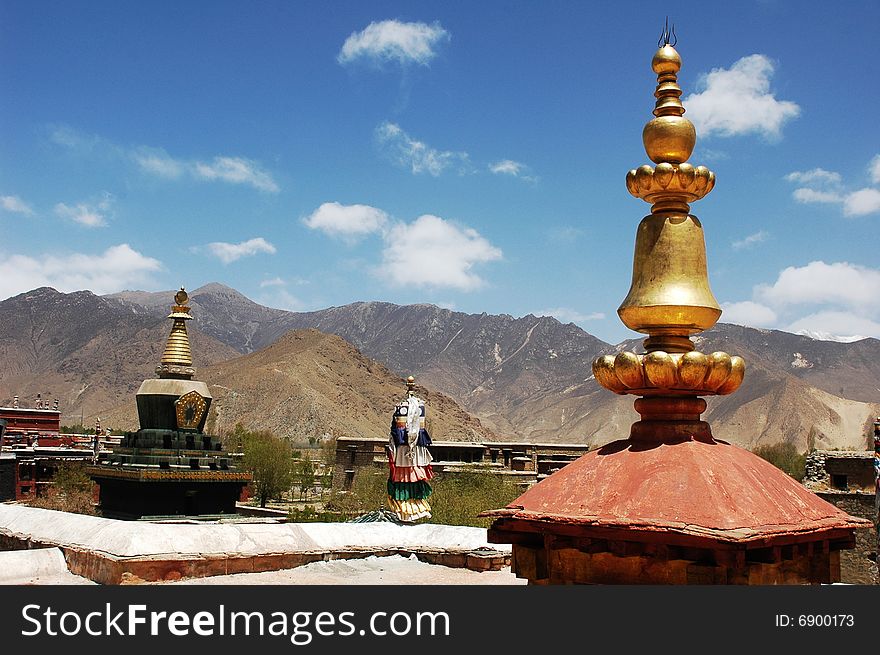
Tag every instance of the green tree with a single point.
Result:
(784, 456)
(270, 459)
(306, 473)
(328, 452)
(71, 491)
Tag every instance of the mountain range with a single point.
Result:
(526, 378)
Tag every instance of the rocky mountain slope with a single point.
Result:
(84, 350)
(309, 383)
(525, 378)
(222, 312)
(92, 353)
(530, 378)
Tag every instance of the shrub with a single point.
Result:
(459, 497)
(71, 491)
(784, 456)
(367, 493)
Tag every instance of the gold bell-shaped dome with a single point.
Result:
(670, 293)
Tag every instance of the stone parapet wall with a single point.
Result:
(116, 552)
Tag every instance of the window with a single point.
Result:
(839, 482)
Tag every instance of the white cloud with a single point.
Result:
(416, 155)
(836, 301)
(738, 101)
(752, 239)
(348, 222)
(506, 167)
(874, 169)
(237, 170)
(15, 205)
(827, 187)
(155, 161)
(862, 202)
(389, 40)
(710, 154)
(835, 326)
(568, 315)
(274, 282)
(840, 283)
(158, 162)
(814, 176)
(748, 313)
(281, 298)
(88, 214)
(806, 195)
(513, 169)
(117, 268)
(433, 252)
(563, 235)
(66, 136)
(230, 252)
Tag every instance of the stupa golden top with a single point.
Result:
(177, 358)
(670, 504)
(670, 298)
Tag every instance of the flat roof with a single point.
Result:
(30, 409)
(484, 444)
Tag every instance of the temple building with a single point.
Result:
(26, 426)
(32, 448)
(671, 504)
(169, 467)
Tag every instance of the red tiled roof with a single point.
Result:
(706, 489)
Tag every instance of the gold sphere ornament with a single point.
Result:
(669, 139)
(666, 60)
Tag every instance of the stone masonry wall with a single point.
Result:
(859, 565)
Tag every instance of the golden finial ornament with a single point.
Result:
(177, 359)
(410, 386)
(670, 298)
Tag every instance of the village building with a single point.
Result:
(26, 426)
(32, 449)
(848, 480)
(526, 462)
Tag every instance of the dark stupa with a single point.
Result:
(170, 467)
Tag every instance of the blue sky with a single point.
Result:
(470, 155)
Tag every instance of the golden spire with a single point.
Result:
(410, 386)
(670, 298)
(177, 358)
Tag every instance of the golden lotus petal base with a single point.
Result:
(682, 181)
(660, 373)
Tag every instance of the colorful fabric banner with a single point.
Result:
(409, 462)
